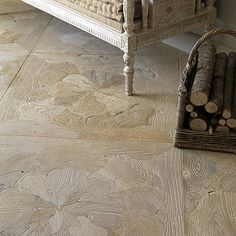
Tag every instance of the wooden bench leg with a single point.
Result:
(129, 44)
(129, 72)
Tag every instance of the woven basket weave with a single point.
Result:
(185, 138)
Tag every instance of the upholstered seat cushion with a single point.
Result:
(112, 9)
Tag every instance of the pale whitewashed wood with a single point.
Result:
(125, 187)
(13, 6)
(166, 18)
(76, 90)
(111, 187)
(210, 192)
(130, 45)
(16, 42)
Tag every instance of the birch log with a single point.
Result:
(222, 121)
(199, 122)
(215, 103)
(231, 122)
(194, 114)
(229, 86)
(189, 107)
(222, 129)
(202, 83)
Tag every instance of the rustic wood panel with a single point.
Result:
(13, 6)
(78, 88)
(73, 186)
(89, 187)
(16, 42)
(210, 193)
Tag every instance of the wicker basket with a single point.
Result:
(186, 138)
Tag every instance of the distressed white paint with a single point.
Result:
(168, 19)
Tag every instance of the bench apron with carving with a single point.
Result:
(131, 24)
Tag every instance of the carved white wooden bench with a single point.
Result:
(131, 24)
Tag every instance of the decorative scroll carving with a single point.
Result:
(128, 43)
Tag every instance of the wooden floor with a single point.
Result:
(78, 157)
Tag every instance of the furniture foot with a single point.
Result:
(129, 72)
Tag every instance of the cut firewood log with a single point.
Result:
(229, 86)
(189, 107)
(202, 83)
(222, 121)
(198, 111)
(194, 114)
(215, 103)
(199, 123)
(231, 122)
(222, 129)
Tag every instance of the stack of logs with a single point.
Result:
(211, 103)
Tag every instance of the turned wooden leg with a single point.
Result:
(145, 9)
(129, 72)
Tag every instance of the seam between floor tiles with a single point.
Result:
(26, 58)
(182, 154)
(92, 139)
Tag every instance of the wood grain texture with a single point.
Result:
(52, 182)
(77, 88)
(16, 42)
(111, 187)
(229, 86)
(13, 6)
(210, 191)
(200, 90)
(216, 100)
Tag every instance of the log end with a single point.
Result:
(231, 123)
(189, 108)
(193, 114)
(222, 129)
(211, 107)
(198, 124)
(226, 113)
(199, 98)
(222, 121)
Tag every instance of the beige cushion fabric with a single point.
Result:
(108, 8)
(112, 9)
